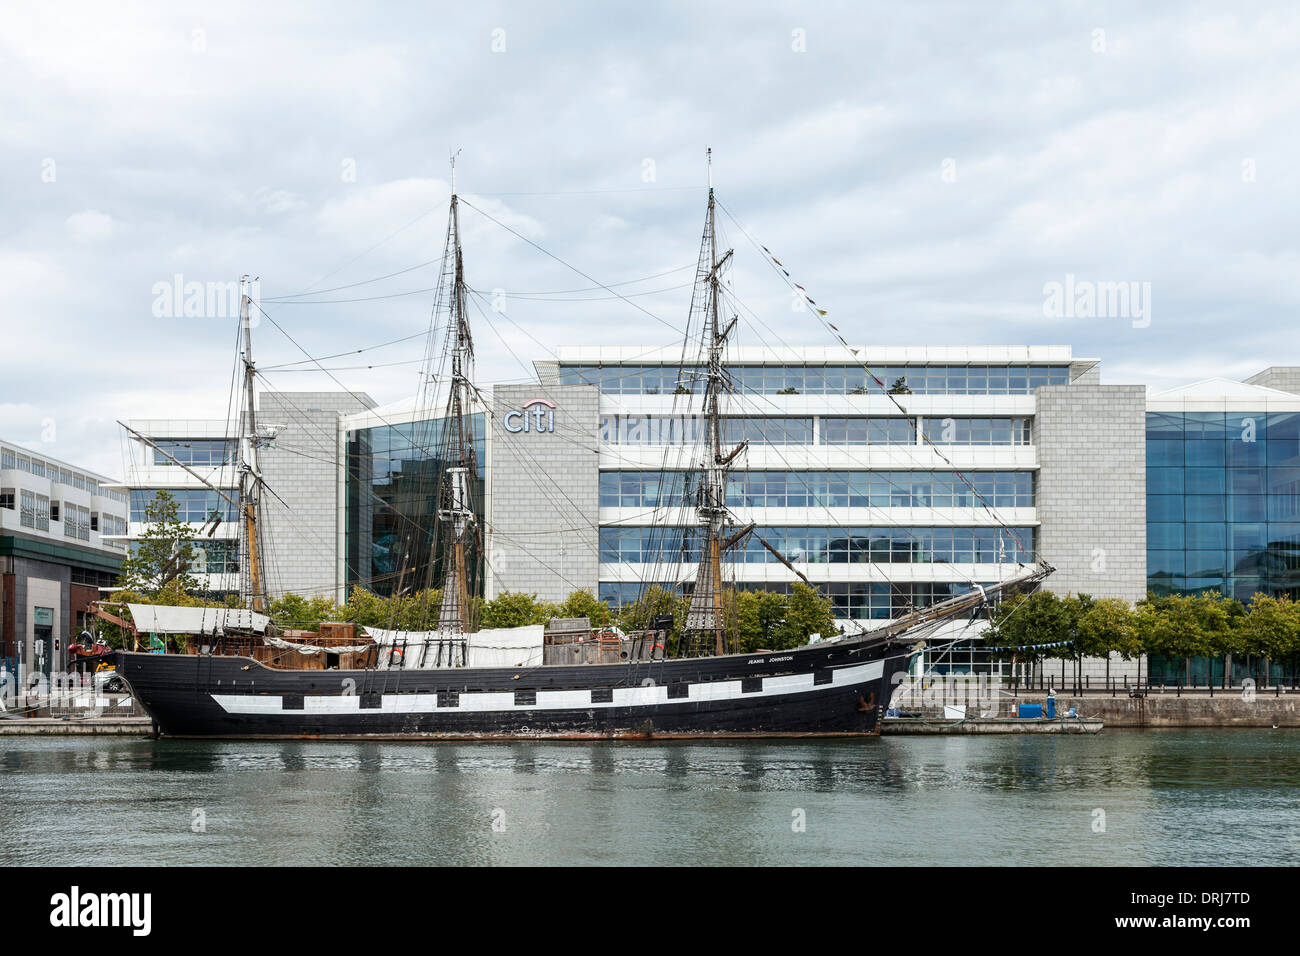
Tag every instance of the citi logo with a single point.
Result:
(536, 415)
(76, 909)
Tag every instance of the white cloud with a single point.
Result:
(90, 226)
(230, 156)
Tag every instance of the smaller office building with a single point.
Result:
(62, 537)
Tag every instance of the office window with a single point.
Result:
(198, 452)
(826, 545)
(7, 498)
(191, 504)
(822, 379)
(42, 513)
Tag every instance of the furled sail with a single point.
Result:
(173, 619)
(492, 647)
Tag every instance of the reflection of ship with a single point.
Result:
(454, 680)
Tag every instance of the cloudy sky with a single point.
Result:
(923, 169)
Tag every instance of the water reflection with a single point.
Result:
(1176, 797)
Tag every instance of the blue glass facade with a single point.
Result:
(394, 473)
(1223, 503)
(192, 504)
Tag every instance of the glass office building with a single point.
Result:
(836, 478)
(884, 510)
(1223, 503)
(394, 473)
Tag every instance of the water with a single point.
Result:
(1170, 797)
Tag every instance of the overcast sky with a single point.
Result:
(923, 169)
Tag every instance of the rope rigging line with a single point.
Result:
(568, 265)
(351, 285)
(821, 314)
(776, 450)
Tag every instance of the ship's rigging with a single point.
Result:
(455, 511)
(705, 628)
(454, 549)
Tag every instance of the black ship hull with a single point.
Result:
(819, 690)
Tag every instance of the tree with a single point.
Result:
(758, 615)
(515, 609)
(655, 602)
(1220, 617)
(807, 613)
(1270, 628)
(585, 604)
(1108, 627)
(1029, 621)
(365, 607)
(296, 611)
(161, 555)
(900, 387)
(1172, 626)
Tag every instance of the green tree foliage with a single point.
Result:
(516, 609)
(585, 604)
(760, 620)
(296, 611)
(654, 602)
(1171, 627)
(1107, 627)
(162, 554)
(806, 613)
(1270, 628)
(1031, 620)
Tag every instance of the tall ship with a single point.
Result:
(451, 679)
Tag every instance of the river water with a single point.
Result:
(1156, 797)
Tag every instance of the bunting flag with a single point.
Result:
(916, 425)
(1030, 647)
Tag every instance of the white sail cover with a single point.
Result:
(494, 647)
(310, 649)
(170, 619)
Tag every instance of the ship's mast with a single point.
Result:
(250, 477)
(455, 509)
(705, 630)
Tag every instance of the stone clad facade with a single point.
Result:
(302, 517)
(1092, 488)
(543, 486)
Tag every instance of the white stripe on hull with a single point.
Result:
(478, 702)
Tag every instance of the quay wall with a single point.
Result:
(1168, 710)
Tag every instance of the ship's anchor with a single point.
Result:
(865, 704)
